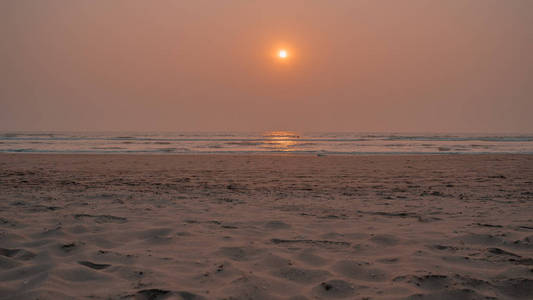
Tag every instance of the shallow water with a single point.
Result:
(263, 142)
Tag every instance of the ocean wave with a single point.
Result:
(246, 143)
(172, 149)
(459, 139)
(107, 148)
(215, 146)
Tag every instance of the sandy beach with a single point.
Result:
(266, 227)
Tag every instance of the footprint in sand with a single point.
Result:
(360, 271)
(19, 254)
(301, 275)
(334, 289)
(240, 253)
(276, 225)
(93, 265)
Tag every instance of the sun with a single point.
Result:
(282, 54)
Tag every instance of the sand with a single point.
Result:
(266, 227)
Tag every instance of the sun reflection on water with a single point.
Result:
(281, 140)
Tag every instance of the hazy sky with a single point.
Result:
(204, 65)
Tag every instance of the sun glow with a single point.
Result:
(282, 54)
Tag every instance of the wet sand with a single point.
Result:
(266, 227)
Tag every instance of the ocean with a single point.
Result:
(263, 142)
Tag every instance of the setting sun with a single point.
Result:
(282, 54)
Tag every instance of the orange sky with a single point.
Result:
(414, 65)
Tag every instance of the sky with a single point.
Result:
(203, 65)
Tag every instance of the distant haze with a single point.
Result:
(204, 65)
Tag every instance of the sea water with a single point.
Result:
(263, 142)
